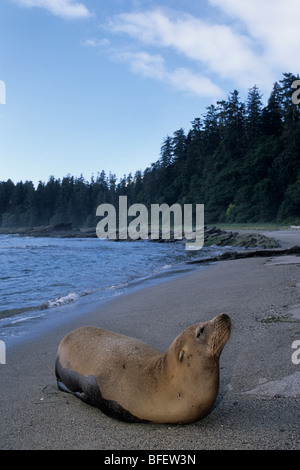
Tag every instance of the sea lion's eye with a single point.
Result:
(200, 332)
(181, 354)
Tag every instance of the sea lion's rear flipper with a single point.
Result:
(87, 390)
(70, 381)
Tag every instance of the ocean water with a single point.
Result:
(44, 277)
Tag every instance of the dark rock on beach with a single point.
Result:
(212, 235)
(63, 230)
(218, 237)
(264, 253)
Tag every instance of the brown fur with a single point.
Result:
(130, 380)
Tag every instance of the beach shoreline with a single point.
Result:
(212, 235)
(259, 388)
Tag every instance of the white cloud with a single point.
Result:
(63, 8)
(274, 25)
(218, 48)
(196, 84)
(93, 42)
(153, 66)
(143, 63)
(255, 48)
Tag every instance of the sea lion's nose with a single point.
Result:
(224, 317)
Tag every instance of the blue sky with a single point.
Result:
(96, 85)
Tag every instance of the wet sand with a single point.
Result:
(259, 398)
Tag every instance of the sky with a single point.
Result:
(92, 85)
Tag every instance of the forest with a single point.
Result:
(240, 159)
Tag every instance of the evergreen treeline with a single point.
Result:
(242, 160)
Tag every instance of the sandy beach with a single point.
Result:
(259, 398)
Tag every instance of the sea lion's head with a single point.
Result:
(201, 344)
(192, 367)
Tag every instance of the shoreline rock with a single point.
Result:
(212, 235)
(218, 237)
(63, 230)
(233, 255)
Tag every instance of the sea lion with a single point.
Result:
(132, 381)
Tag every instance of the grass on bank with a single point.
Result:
(250, 226)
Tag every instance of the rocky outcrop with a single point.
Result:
(218, 237)
(212, 235)
(63, 230)
(231, 255)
